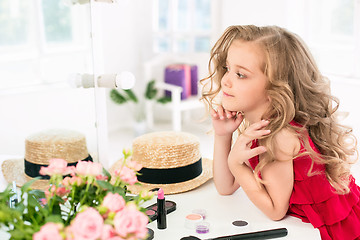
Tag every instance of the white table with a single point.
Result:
(221, 212)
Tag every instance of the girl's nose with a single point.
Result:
(226, 81)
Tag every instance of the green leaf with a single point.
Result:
(131, 95)
(121, 191)
(20, 207)
(37, 193)
(151, 91)
(105, 185)
(164, 100)
(33, 201)
(107, 174)
(56, 209)
(54, 218)
(18, 234)
(6, 195)
(117, 97)
(28, 184)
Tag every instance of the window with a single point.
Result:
(42, 41)
(182, 26)
(334, 35)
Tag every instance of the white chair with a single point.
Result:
(154, 69)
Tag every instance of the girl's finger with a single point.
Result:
(220, 112)
(239, 119)
(213, 113)
(256, 151)
(248, 136)
(259, 125)
(228, 114)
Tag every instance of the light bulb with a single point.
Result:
(125, 80)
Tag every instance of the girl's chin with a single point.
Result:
(229, 108)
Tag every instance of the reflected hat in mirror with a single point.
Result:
(170, 160)
(39, 149)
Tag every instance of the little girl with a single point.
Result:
(291, 156)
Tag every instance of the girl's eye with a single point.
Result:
(240, 75)
(226, 68)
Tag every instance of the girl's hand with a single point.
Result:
(225, 122)
(241, 150)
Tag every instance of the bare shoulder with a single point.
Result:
(287, 144)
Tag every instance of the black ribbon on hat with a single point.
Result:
(32, 169)
(170, 175)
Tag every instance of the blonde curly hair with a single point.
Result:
(298, 92)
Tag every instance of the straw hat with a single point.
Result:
(170, 160)
(39, 149)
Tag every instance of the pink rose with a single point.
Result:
(50, 192)
(134, 165)
(49, 231)
(61, 191)
(56, 167)
(114, 202)
(127, 175)
(87, 225)
(102, 177)
(66, 182)
(131, 221)
(76, 181)
(43, 201)
(107, 232)
(88, 168)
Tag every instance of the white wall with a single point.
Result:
(125, 29)
(257, 12)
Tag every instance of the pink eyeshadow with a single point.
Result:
(150, 212)
(193, 216)
(168, 204)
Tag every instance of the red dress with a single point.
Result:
(314, 200)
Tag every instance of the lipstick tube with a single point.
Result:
(161, 212)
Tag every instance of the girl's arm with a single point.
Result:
(223, 178)
(224, 123)
(273, 196)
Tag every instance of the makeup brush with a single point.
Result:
(267, 234)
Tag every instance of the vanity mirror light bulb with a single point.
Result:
(125, 80)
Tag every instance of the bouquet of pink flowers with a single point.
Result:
(87, 204)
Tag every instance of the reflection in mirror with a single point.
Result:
(42, 43)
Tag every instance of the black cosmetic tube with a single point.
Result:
(161, 213)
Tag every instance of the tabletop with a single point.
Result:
(221, 212)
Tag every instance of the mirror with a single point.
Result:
(42, 44)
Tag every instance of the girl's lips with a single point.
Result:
(226, 94)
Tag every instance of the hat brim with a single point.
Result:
(13, 170)
(173, 188)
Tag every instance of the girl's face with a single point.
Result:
(244, 82)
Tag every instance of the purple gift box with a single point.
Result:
(194, 80)
(184, 76)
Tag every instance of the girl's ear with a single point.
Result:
(268, 98)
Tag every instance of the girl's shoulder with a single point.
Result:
(287, 144)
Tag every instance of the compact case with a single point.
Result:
(151, 211)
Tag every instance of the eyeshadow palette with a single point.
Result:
(151, 210)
